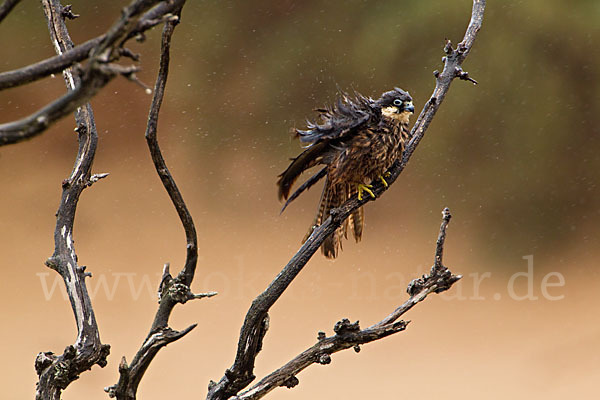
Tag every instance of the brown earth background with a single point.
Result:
(515, 158)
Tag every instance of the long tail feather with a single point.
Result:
(323, 202)
(357, 223)
(356, 220)
(333, 243)
(331, 197)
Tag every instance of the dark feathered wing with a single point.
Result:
(307, 159)
(342, 120)
(326, 138)
(337, 125)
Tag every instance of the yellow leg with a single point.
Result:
(385, 175)
(364, 188)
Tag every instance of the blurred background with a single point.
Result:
(515, 159)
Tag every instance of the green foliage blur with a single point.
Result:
(520, 151)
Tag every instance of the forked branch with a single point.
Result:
(56, 372)
(241, 373)
(101, 52)
(349, 335)
(171, 290)
(53, 65)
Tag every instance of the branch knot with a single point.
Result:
(43, 361)
(344, 327)
(67, 12)
(180, 293)
(324, 359)
(290, 382)
(463, 75)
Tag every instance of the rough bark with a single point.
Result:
(241, 373)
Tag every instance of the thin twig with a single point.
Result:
(99, 71)
(79, 53)
(171, 290)
(122, 29)
(439, 250)
(159, 162)
(94, 78)
(349, 335)
(241, 373)
(57, 372)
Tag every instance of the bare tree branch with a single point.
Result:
(56, 64)
(240, 374)
(131, 375)
(123, 28)
(349, 335)
(161, 167)
(439, 250)
(99, 71)
(171, 290)
(6, 7)
(97, 74)
(57, 372)
(93, 78)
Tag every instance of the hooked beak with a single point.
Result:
(409, 107)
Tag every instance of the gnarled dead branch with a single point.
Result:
(241, 373)
(171, 290)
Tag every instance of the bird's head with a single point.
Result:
(396, 104)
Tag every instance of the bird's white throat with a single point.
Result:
(391, 113)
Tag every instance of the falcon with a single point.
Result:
(356, 141)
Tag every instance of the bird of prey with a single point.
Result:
(356, 141)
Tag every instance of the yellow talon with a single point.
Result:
(364, 188)
(383, 181)
(385, 175)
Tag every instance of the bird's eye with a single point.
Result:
(397, 102)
